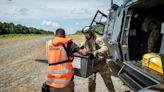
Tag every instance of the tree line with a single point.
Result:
(11, 28)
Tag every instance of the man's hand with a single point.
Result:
(83, 52)
(95, 53)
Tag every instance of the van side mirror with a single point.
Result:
(162, 28)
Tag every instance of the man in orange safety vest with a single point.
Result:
(60, 55)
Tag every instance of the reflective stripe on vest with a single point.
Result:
(58, 82)
(61, 74)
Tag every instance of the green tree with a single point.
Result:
(99, 28)
(11, 28)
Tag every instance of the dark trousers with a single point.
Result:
(105, 72)
(69, 88)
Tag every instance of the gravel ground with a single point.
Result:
(81, 84)
(23, 66)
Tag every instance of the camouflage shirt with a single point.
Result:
(96, 44)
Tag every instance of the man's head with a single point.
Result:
(88, 32)
(60, 32)
(150, 23)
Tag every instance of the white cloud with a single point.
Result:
(80, 11)
(50, 8)
(34, 12)
(50, 23)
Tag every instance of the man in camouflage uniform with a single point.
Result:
(97, 46)
(151, 25)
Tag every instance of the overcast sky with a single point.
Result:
(71, 15)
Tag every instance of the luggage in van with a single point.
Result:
(153, 61)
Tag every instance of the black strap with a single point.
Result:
(61, 62)
(65, 50)
(45, 87)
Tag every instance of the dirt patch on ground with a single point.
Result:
(20, 72)
(81, 84)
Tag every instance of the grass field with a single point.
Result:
(12, 38)
(77, 38)
(20, 35)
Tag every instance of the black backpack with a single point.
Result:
(45, 87)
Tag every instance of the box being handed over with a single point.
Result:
(83, 65)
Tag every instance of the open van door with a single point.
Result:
(134, 43)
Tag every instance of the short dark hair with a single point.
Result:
(60, 32)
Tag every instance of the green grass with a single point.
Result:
(13, 38)
(20, 35)
(78, 38)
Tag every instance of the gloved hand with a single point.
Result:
(95, 53)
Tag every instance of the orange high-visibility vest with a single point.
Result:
(59, 75)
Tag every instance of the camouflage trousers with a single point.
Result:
(104, 70)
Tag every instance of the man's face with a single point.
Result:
(87, 35)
